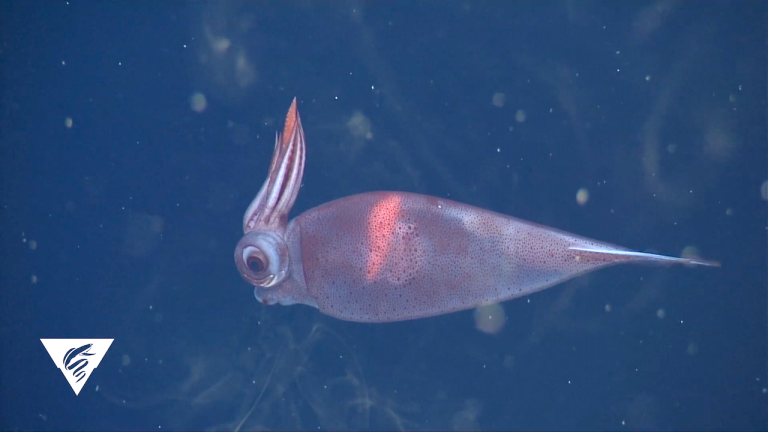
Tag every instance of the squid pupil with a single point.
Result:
(255, 264)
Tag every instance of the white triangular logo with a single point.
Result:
(77, 358)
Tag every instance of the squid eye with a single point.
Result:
(255, 260)
(262, 258)
(255, 264)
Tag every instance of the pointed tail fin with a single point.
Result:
(627, 255)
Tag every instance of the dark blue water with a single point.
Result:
(122, 223)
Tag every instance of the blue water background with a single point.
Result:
(122, 224)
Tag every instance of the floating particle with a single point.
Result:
(764, 190)
(498, 99)
(582, 196)
(359, 126)
(68, 122)
(489, 318)
(693, 348)
(142, 234)
(245, 73)
(219, 44)
(690, 252)
(661, 313)
(509, 361)
(126, 360)
(608, 307)
(33, 279)
(197, 102)
(672, 148)
(32, 244)
(520, 116)
(729, 212)
(466, 418)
